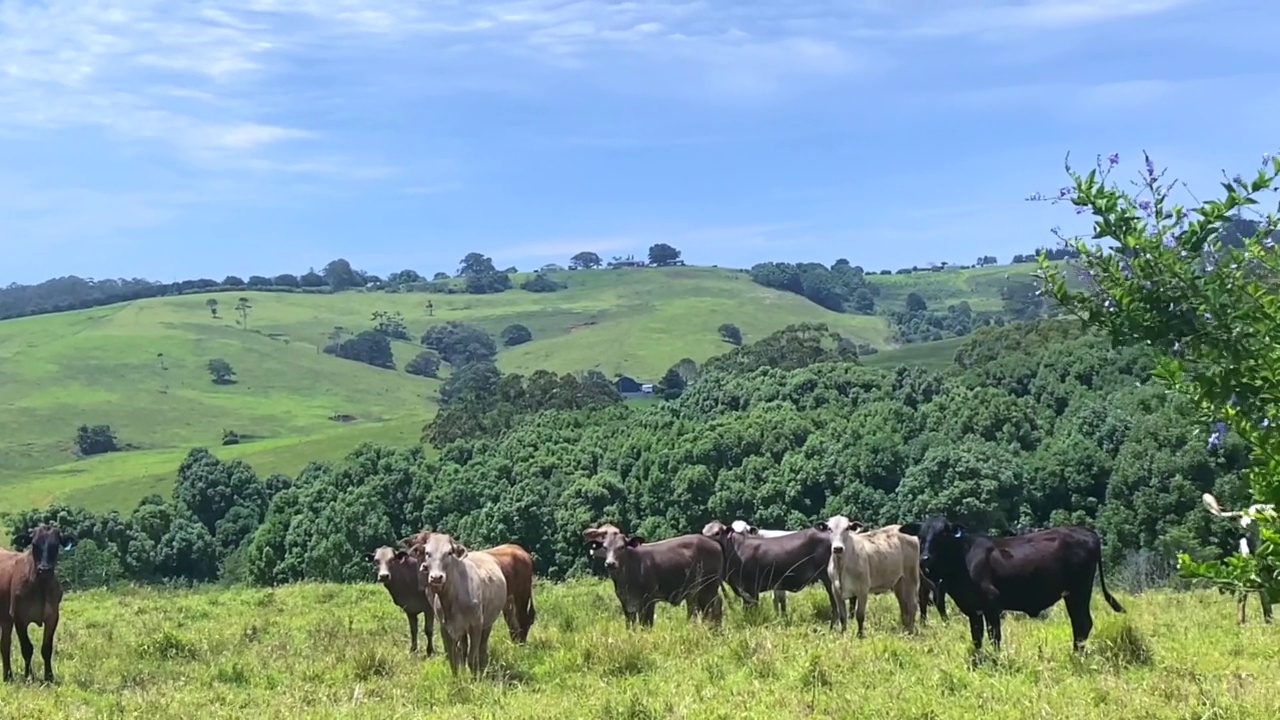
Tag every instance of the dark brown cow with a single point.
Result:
(685, 567)
(931, 594)
(517, 570)
(398, 573)
(1029, 573)
(31, 593)
(787, 563)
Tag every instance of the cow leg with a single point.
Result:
(780, 601)
(413, 631)
(429, 620)
(940, 601)
(513, 622)
(6, 648)
(993, 627)
(24, 641)
(1081, 619)
(975, 630)
(1240, 601)
(861, 613)
(646, 613)
(1266, 606)
(46, 646)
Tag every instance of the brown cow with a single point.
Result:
(517, 570)
(398, 573)
(30, 593)
(675, 570)
(468, 591)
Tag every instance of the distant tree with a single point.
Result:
(243, 308)
(986, 260)
(369, 347)
(661, 254)
(232, 281)
(339, 275)
(230, 437)
(95, 440)
(287, 280)
(688, 370)
(550, 268)
(511, 270)
(916, 303)
(404, 277)
(424, 364)
(515, 334)
(460, 343)
(480, 277)
(731, 334)
(540, 283)
(221, 371)
(862, 302)
(672, 385)
(440, 276)
(212, 304)
(390, 324)
(475, 383)
(259, 281)
(431, 309)
(585, 260)
(312, 279)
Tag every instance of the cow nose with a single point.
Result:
(611, 564)
(44, 567)
(383, 577)
(435, 578)
(838, 549)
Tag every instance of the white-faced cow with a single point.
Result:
(1249, 539)
(1029, 573)
(679, 569)
(468, 592)
(865, 563)
(786, 562)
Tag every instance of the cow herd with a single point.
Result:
(434, 576)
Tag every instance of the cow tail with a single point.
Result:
(1102, 580)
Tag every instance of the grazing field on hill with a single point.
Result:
(331, 651)
(938, 355)
(980, 286)
(140, 368)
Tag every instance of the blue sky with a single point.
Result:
(178, 139)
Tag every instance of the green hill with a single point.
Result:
(140, 366)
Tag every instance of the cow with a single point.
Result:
(1248, 537)
(398, 573)
(517, 570)
(31, 593)
(788, 561)
(1029, 573)
(468, 593)
(864, 563)
(686, 568)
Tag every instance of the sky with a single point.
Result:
(173, 140)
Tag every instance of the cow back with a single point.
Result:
(785, 562)
(673, 566)
(888, 555)
(486, 586)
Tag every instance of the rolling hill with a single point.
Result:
(140, 366)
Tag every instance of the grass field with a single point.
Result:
(980, 286)
(140, 367)
(329, 651)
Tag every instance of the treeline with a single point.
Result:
(1036, 424)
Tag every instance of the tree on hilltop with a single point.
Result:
(221, 370)
(585, 260)
(662, 254)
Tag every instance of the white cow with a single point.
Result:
(1250, 537)
(745, 528)
(872, 562)
(468, 591)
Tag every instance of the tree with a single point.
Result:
(916, 303)
(369, 347)
(460, 343)
(312, 279)
(243, 308)
(233, 281)
(480, 276)
(424, 364)
(212, 304)
(515, 334)
(585, 260)
(731, 334)
(671, 386)
(540, 283)
(662, 254)
(390, 324)
(339, 275)
(475, 382)
(95, 440)
(221, 370)
(1209, 311)
(286, 280)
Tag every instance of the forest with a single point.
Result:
(1035, 424)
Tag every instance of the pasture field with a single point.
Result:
(333, 651)
(980, 286)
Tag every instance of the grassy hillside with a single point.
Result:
(139, 367)
(979, 286)
(329, 651)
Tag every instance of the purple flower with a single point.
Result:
(1113, 159)
(1146, 206)
(1266, 158)
(1218, 433)
(1151, 167)
(1064, 192)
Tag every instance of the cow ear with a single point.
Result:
(957, 530)
(857, 526)
(911, 528)
(634, 541)
(368, 557)
(21, 541)
(822, 526)
(592, 534)
(753, 530)
(401, 555)
(459, 550)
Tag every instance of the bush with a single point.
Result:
(424, 364)
(516, 334)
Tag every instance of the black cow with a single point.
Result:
(1029, 573)
(788, 563)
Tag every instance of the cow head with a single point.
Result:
(838, 526)
(437, 556)
(609, 542)
(744, 527)
(382, 558)
(45, 541)
(716, 530)
(939, 538)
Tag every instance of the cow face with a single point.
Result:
(839, 527)
(716, 530)
(610, 543)
(382, 559)
(438, 556)
(45, 542)
(744, 527)
(939, 538)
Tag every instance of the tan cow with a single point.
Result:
(517, 570)
(870, 563)
(468, 592)
(30, 593)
